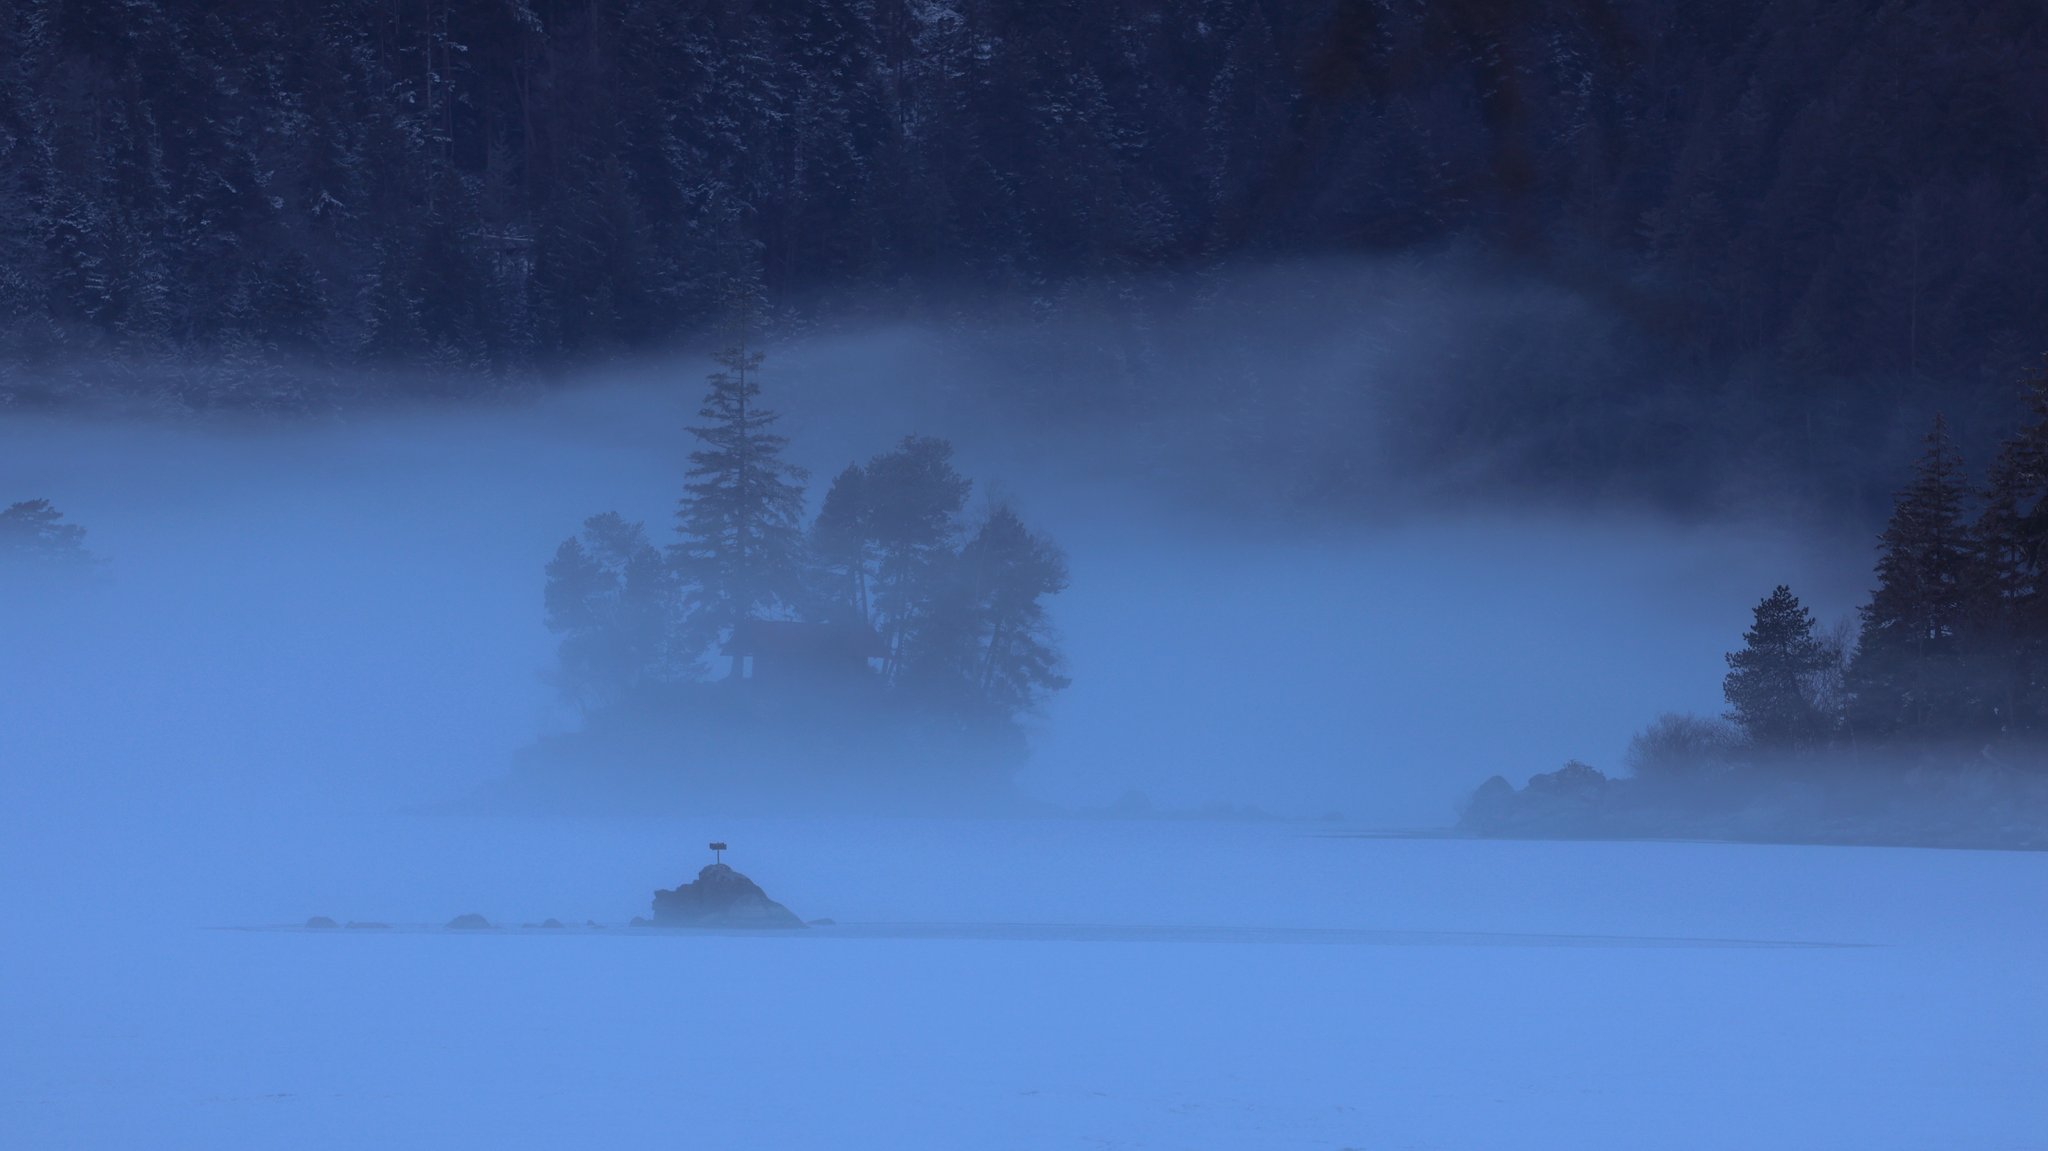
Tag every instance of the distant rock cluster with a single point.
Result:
(718, 898)
(470, 921)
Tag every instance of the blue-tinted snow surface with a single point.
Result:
(1021, 985)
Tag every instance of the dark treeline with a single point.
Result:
(1845, 193)
(892, 634)
(1953, 644)
(1933, 705)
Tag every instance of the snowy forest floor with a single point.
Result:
(1028, 984)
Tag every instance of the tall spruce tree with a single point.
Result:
(1770, 682)
(741, 548)
(1909, 676)
(2008, 619)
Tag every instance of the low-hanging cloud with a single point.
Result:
(345, 611)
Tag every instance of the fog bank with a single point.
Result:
(347, 612)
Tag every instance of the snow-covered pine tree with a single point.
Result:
(741, 548)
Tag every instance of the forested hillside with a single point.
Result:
(1822, 206)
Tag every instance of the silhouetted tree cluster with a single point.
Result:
(1953, 642)
(940, 611)
(961, 613)
(1845, 189)
(1924, 722)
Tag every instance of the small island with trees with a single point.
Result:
(1924, 723)
(893, 643)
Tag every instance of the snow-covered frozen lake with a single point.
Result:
(1033, 984)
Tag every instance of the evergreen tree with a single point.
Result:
(611, 598)
(2008, 616)
(843, 550)
(577, 589)
(578, 597)
(1908, 675)
(1245, 121)
(914, 499)
(1769, 686)
(740, 554)
(1010, 571)
(648, 616)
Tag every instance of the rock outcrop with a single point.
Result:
(720, 897)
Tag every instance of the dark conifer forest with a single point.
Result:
(1922, 720)
(1806, 217)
